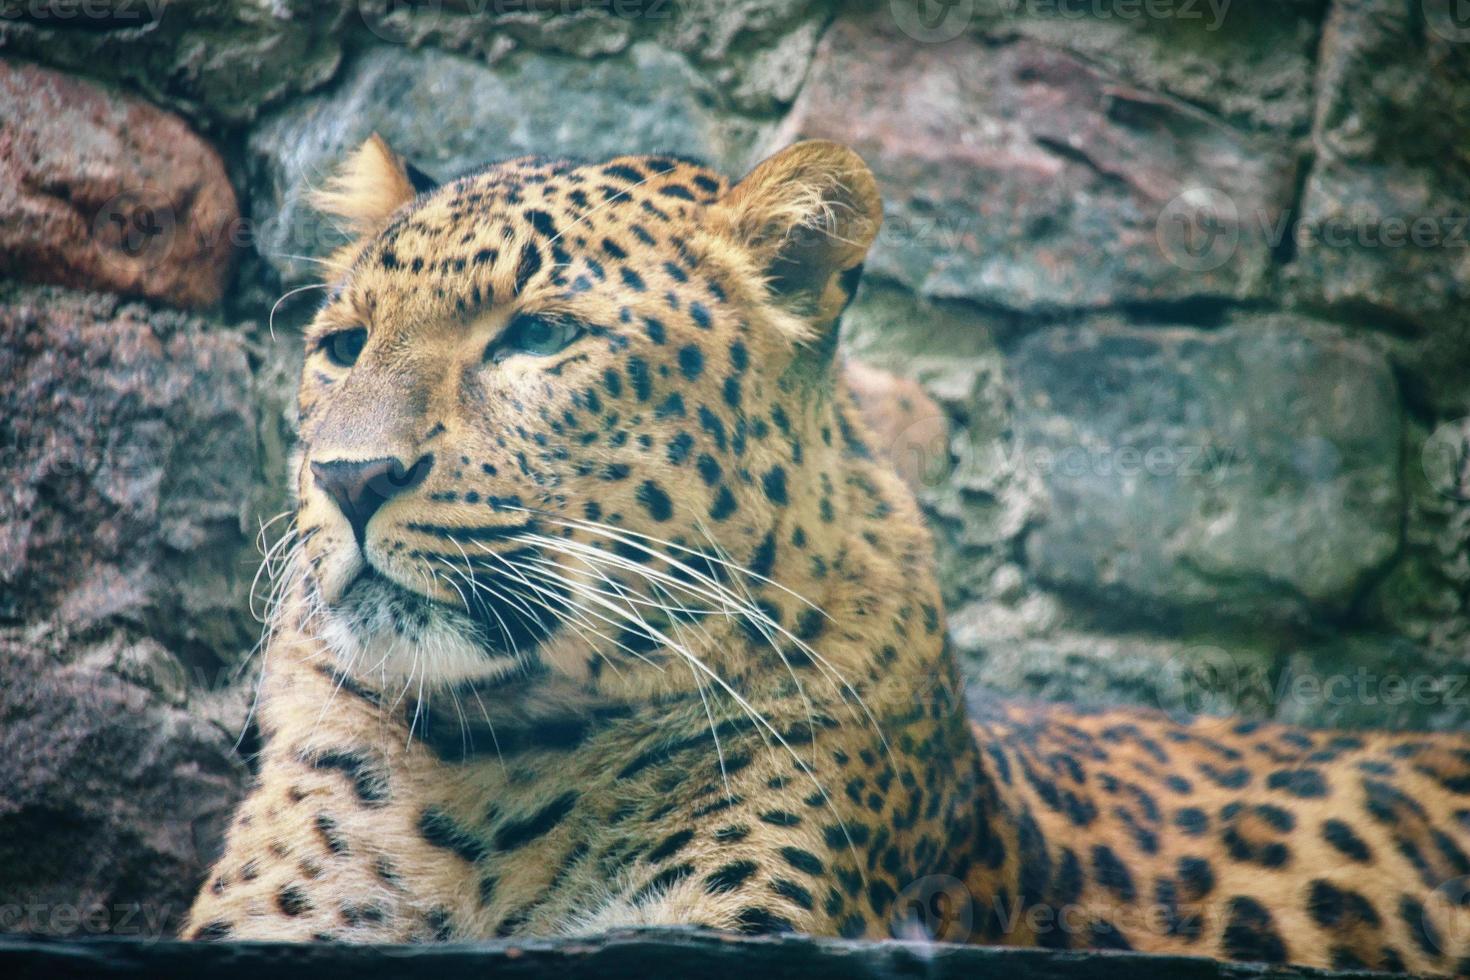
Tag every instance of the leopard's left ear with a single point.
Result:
(369, 186)
(807, 215)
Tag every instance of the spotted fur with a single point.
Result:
(601, 610)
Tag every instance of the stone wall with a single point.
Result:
(1186, 282)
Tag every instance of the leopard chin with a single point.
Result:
(385, 633)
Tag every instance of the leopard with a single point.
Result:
(601, 608)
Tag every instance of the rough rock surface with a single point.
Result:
(1119, 194)
(562, 106)
(1384, 232)
(1253, 69)
(976, 496)
(113, 799)
(1169, 489)
(217, 61)
(104, 191)
(756, 52)
(130, 471)
(1426, 596)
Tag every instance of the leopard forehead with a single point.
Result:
(534, 230)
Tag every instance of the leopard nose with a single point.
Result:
(360, 487)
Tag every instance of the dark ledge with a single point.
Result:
(633, 955)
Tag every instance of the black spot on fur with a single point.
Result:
(292, 901)
(802, 860)
(1250, 933)
(1426, 936)
(1305, 783)
(780, 818)
(542, 222)
(709, 469)
(369, 783)
(729, 877)
(529, 265)
(712, 424)
(724, 504)
(517, 833)
(1192, 820)
(655, 501)
(774, 485)
(639, 376)
(793, 893)
(1197, 877)
(679, 448)
(331, 837)
(761, 922)
(1111, 873)
(1332, 907)
(1341, 836)
(440, 830)
(670, 845)
(764, 558)
(691, 361)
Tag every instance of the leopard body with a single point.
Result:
(602, 609)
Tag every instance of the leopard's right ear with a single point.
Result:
(369, 186)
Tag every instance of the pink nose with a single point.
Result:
(361, 486)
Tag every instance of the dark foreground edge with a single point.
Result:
(635, 954)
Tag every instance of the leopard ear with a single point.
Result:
(369, 186)
(807, 215)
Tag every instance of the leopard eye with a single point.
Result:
(343, 347)
(539, 336)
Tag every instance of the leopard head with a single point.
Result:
(557, 415)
